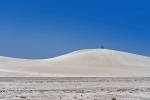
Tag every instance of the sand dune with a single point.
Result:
(82, 63)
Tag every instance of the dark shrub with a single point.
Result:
(113, 98)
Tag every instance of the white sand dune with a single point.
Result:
(82, 63)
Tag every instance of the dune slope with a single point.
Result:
(82, 63)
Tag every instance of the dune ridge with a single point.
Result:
(81, 63)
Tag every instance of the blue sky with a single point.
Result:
(36, 29)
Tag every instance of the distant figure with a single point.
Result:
(102, 47)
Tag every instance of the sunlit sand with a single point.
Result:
(82, 63)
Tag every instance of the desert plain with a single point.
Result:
(69, 88)
(92, 74)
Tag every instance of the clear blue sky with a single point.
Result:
(48, 28)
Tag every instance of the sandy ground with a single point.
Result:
(74, 88)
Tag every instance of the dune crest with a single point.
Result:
(82, 63)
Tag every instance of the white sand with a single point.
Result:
(43, 88)
(82, 63)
